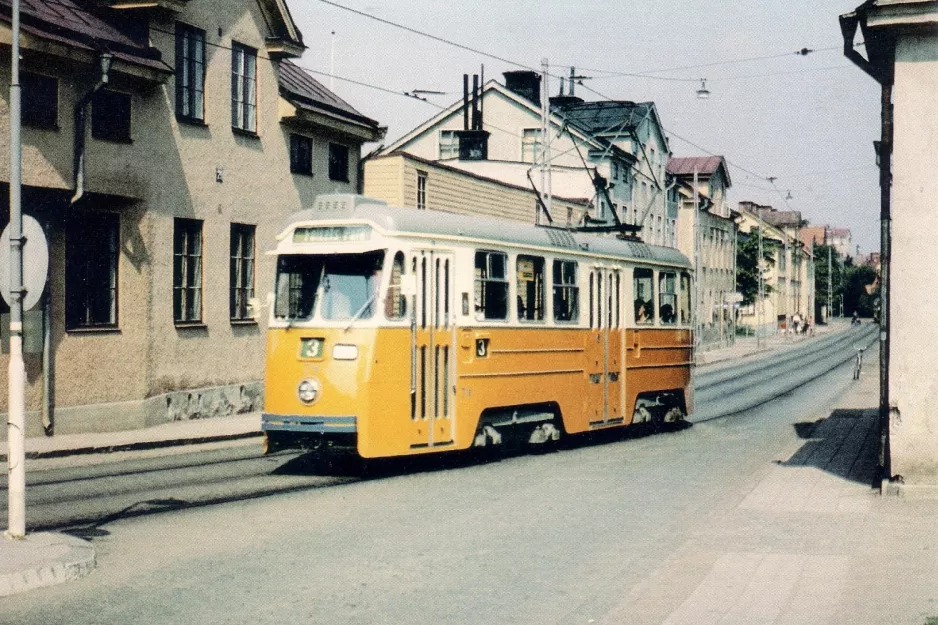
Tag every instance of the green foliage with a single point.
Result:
(828, 262)
(747, 270)
(859, 292)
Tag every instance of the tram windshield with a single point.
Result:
(332, 287)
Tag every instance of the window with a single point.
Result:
(395, 305)
(301, 155)
(92, 244)
(491, 286)
(40, 100)
(187, 271)
(190, 73)
(242, 270)
(110, 116)
(243, 88)
(530, 144)
(449, 144)
(566, 292)
(338, 162)
(530, 288)
(667, 297)
(421, 190)
(684, 307)
(644, 291)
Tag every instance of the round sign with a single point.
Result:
(35, 262)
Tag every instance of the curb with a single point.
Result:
(43, 559)
(136, 446)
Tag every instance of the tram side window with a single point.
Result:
(667, 297)
(644, 290)
(297, 282)
(530, 288)
(491, 285)
(566, 292)
(395, 304)
(684, 301)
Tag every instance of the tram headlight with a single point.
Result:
(308, 391)
(345, 352)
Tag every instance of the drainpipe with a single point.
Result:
(880, 66)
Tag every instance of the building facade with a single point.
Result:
(707, 234)
(610, 154)
(159, 184)
(901, 37)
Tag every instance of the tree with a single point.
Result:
(747, 270)
(829, 279)
(861, 291)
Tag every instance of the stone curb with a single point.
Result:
(43, 559)
(136, 446)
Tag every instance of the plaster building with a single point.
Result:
(611, 153)
(790, 275)
(159, 182)
(901, 40)
(401, 179)
(707, 234)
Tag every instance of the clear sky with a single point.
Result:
(807, 120)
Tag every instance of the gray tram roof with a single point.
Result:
(428, 222)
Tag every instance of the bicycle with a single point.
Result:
(858, 363)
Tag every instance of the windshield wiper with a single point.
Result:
(360, 311)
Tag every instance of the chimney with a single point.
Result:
(563, 101)
(525, 83)
(473, 140)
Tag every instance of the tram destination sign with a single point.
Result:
(331, 234)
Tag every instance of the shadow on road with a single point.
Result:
(351, 466)
(845, 444)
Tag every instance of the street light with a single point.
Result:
(703, 93)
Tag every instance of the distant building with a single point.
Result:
(613, 154)
(708, 236)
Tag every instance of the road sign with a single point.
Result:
(35, 262)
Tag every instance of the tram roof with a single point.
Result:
(337, 207)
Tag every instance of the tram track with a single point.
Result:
(734, 389)
(84, 498)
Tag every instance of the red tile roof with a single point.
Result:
(685, 165)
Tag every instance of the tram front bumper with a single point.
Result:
(288, 431)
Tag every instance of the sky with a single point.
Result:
(808, 121)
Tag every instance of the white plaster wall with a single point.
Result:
(913, 367)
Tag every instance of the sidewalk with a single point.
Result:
(746, 346)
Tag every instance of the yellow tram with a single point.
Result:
(397, 331)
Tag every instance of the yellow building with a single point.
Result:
(402, 179)
(159, 184)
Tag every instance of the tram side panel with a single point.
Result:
(658, 367)
(505, 368)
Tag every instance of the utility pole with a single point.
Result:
(16, 427)
(546, 190)
(830, 285)
(332, 62)
(761, 259)
(698, 290)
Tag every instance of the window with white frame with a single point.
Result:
(421, 190)
(92, 247)
(530, 144)
(243, 88)
(449, 144)
(242, 270)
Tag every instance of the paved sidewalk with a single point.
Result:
(747, 346)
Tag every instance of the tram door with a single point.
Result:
(432, 332)
(605, 347)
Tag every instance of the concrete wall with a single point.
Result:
(914, 294)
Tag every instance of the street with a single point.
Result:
(610, 532)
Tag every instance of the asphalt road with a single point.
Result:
(546, 538)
